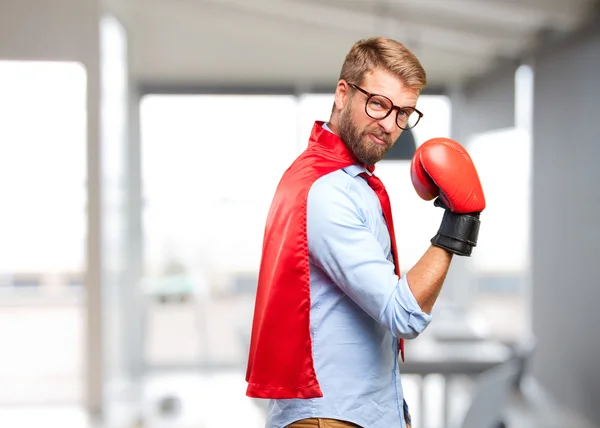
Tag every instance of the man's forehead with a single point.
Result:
(383, 82)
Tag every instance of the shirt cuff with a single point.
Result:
(417, 319)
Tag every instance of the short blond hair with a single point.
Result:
(375, 52)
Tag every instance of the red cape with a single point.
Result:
(280, 363)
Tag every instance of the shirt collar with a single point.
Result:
(354, 170)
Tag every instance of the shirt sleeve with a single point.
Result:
(341, 244)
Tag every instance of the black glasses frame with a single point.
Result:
(369, 96)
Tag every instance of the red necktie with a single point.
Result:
(376, 184)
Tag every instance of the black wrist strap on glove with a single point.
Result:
(458, 232)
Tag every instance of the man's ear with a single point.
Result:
(342, 94)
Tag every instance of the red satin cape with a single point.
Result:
(280, 362)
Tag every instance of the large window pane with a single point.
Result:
(501, 262)
(210, 167)
(42, 195)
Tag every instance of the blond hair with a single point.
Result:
(375, 52)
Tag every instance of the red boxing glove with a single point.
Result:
(442, 168)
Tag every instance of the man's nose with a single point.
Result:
(389, 123)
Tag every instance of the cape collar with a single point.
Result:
(327, 139)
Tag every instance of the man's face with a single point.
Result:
(370, 139)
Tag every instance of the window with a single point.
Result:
(43, 197)
(501, 263)
(210, 167)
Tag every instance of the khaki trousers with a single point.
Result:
(323, 423)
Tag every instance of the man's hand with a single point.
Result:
(441, 168)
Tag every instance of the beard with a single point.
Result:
(360, 144)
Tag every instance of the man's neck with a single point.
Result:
(331, 127)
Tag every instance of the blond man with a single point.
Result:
(332, 311)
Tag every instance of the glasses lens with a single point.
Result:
(407, 118)
(378, 107)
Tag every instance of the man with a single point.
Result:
(331, 310)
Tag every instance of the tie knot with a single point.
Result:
(372, 181)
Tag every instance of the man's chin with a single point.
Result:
(372, 158)
(376, 154)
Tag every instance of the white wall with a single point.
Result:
(566, 228)
(484, 105)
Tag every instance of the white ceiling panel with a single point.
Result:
(303, 42)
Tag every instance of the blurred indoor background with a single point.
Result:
(140, 146)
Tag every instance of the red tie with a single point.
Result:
(376, 184)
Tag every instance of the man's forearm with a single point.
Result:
(426, 278)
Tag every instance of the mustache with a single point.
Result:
(380, 134)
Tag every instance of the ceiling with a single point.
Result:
(301, 43)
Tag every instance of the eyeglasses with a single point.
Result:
(379, 107)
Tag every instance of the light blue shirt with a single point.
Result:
(359, 309)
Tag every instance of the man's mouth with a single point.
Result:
(377, 140)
